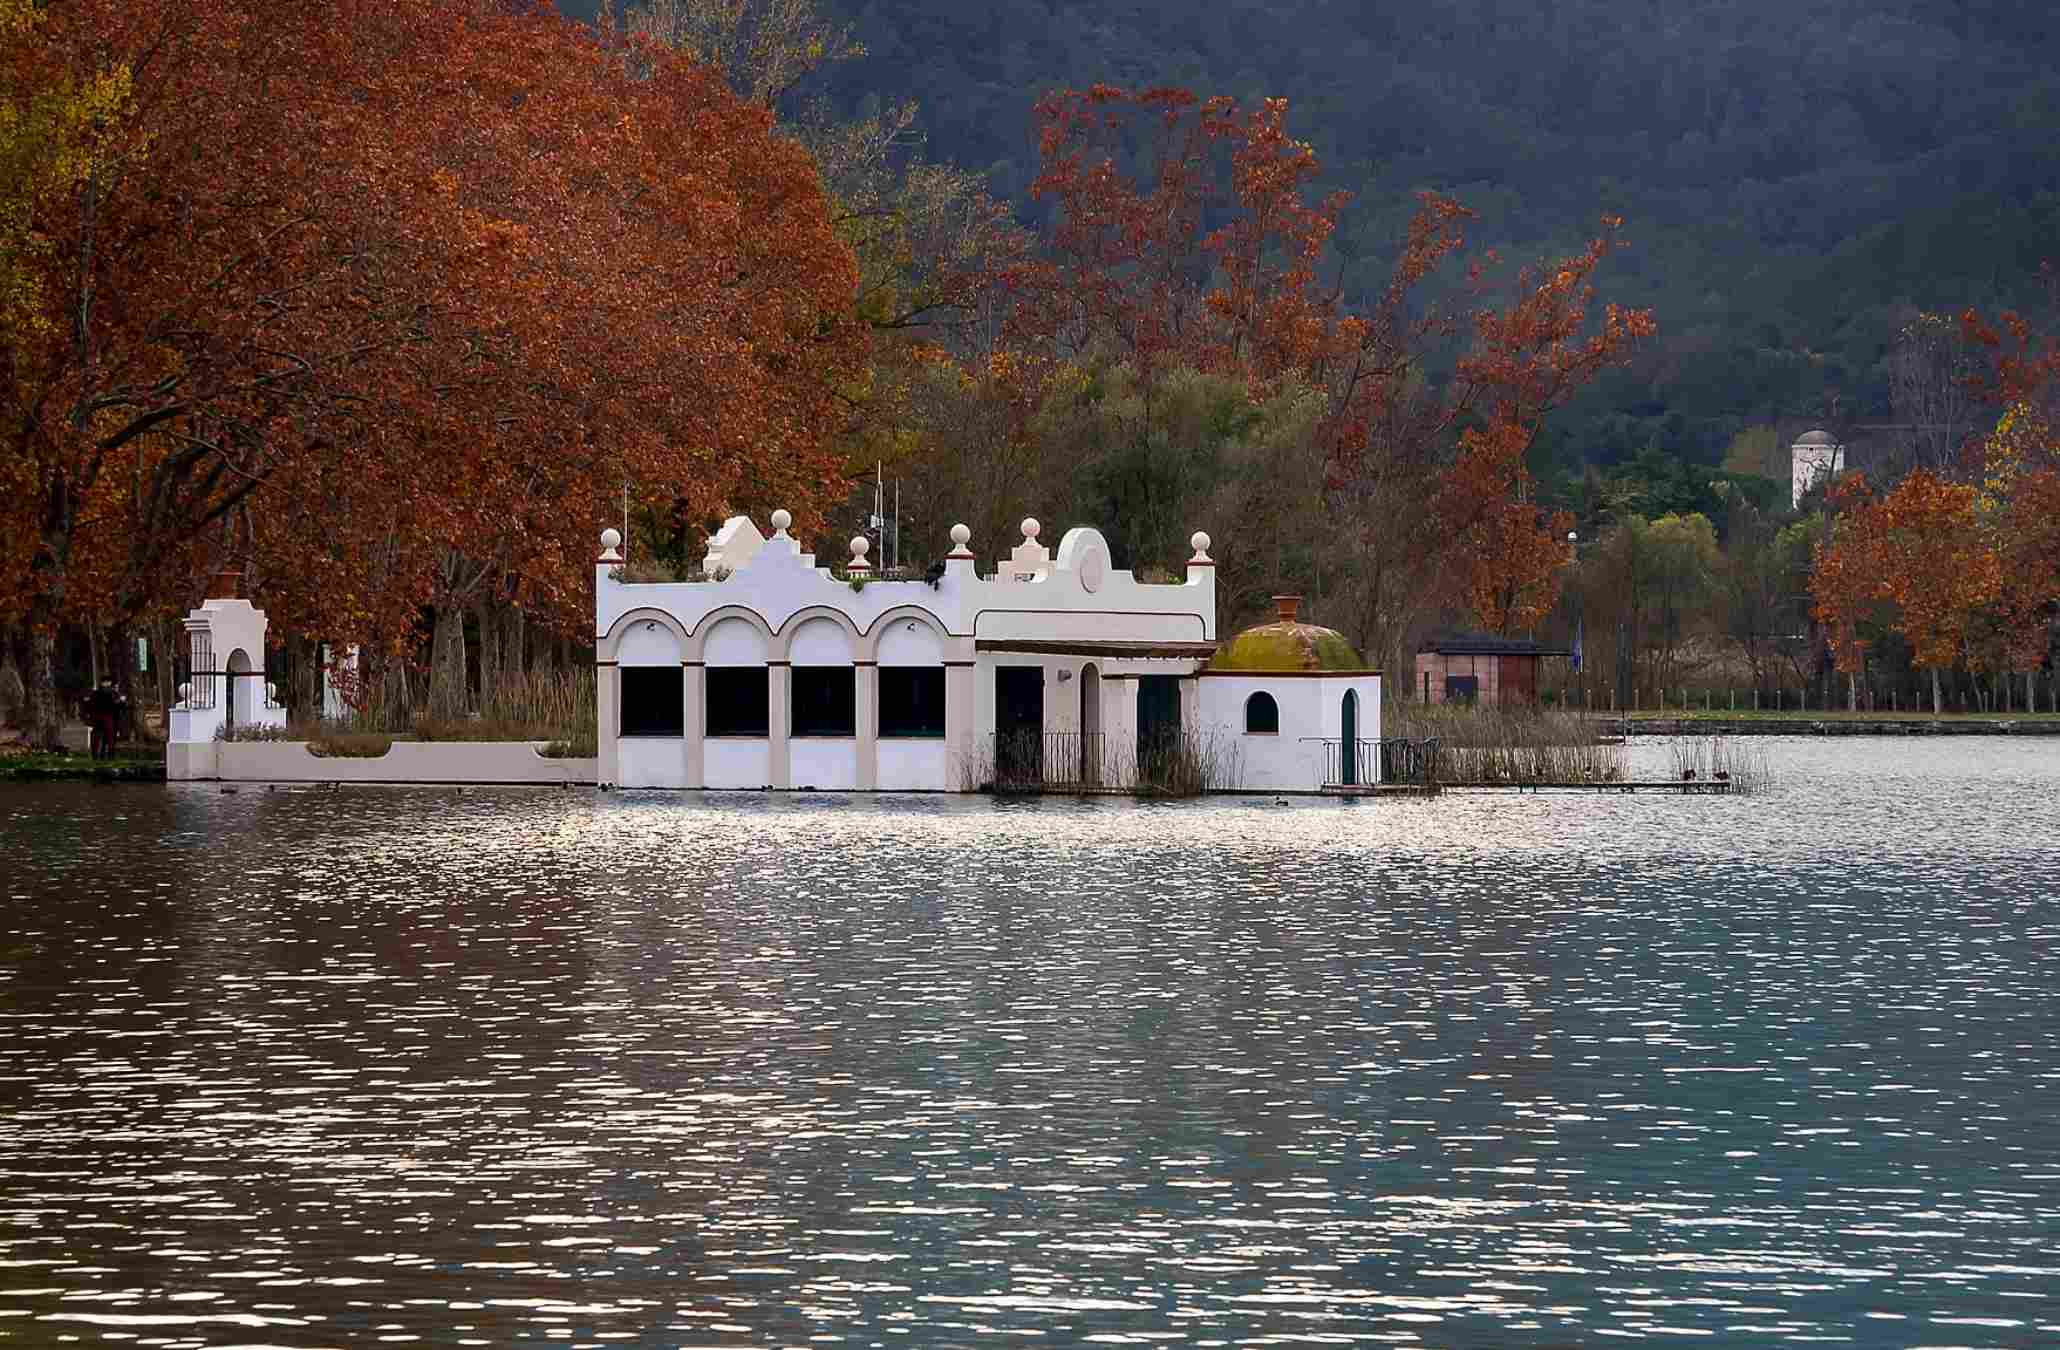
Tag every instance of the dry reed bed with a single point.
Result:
(1491, 745)
(553, 706)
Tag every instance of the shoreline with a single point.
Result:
(79, 769)
(1714, 724)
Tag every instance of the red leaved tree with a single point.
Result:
(383, 300)
(1922, 556)
(1183, 235)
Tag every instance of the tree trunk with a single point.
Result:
(45, 719)
(447, 664)
(517, 649)
(1934, 692)
(489, 651)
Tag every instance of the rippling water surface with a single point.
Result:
(309, 1068)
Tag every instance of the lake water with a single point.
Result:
(319, 1068)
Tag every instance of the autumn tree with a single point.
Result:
(388, 299)
(1186, 236)
(1920, 549)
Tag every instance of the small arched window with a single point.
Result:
(1262, 715)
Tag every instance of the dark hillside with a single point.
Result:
(1797, 175)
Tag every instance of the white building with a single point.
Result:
(1055, 670)
(1815, 459)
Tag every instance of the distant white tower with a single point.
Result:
(1814, 459)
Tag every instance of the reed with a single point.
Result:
(1718, 759)
(555, 706)
(1507, 746)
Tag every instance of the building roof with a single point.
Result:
(1484, 644)
(1287, 645)
(1815, 438)
(1095, 647)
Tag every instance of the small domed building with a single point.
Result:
(1294, 706)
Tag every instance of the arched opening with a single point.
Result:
(1262, 715)
(1090, 724)
(1348, 751)
(236, 710)
(737, 701)
(823, 684)
(653, 700)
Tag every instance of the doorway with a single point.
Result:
(1348, 751)
(1158, 727)
(237, 708)
(1018, 726)
(1090, 725)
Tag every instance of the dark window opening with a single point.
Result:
(1462, 688)
(1262, 715)
(825, 701)
(911, 702)
(738, 703)
(652, 701)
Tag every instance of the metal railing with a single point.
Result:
(1406, 761)
(1389, 759)
(1026, 761)
(201, 674)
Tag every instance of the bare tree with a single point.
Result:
(764, 48)
(1930, 375)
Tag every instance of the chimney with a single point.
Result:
(226, 584)
(1287, 605)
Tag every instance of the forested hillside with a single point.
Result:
(1797, 176)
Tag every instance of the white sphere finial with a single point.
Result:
(961, 535)
(1199, 541)
(1030, 527)
(860, 546)
(611, 540)
(781, 519)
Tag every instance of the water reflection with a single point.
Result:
(310, 1067)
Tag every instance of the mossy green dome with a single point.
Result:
(1287, 645)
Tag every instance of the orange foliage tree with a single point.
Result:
(1922, 555)
(1183, 235)
(389, 299)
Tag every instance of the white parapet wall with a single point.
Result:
(477, 762)
(912, 662)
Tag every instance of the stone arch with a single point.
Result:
(813, 649)
(607, 648)
(237, 703)
(697, 640)
(896, 619)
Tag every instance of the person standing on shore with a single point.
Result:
(103, 714)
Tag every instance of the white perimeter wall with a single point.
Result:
(651, 761)
(917, 766)
(405, 762)
(1311, 712)
(826, 762)
(736, 761)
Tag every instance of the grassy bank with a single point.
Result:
(40, 766)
